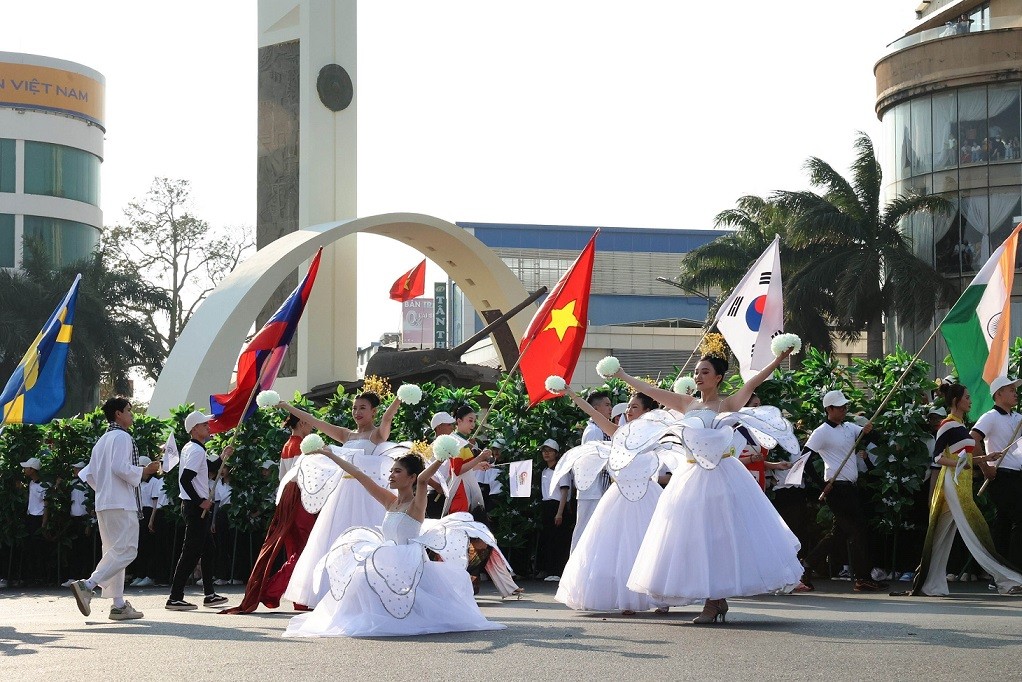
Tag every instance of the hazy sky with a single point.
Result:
(645, 114)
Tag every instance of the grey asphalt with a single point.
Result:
(830, 634)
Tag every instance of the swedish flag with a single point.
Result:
(35, 392)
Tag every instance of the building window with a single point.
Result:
(64, 241)
(6, 240)
(7, 166)
(54, 170)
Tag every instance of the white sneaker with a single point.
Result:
(952, 578)
(878, 574)
(552, 579)
(3, 583)
(845, 574)
(144, 582)
(126, 612)
(66, 583)
(135, 582)
(220, 582)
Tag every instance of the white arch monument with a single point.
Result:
(204, 357)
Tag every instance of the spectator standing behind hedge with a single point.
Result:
(114, 473)
(223, 533)
(36, 553)
(80, 528)
(139, 568)
(556, 522)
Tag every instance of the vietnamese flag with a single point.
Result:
(553, 340)
(410, 285)
(260, 359)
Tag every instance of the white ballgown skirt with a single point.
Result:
(714, 535)
(348, 506)
(380, 583)
(595, 576)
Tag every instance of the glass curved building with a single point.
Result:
(948, 96)
(51, 149)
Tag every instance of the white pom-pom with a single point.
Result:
(608, 366)
(268, 399)
(783, 342)
(409, 394)
(311, 443)
(555, 384)
(685, 386)
(445, 447)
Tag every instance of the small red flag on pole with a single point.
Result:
(410, 285)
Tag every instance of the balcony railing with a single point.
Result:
(953, 29)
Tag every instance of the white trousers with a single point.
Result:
(585, 510)
(118, 529)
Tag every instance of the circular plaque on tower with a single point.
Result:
(334, 87)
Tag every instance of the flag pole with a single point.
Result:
(500, 389)
(883, 404)
(237, 430)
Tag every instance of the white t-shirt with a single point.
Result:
(591, 433)
(546, 477)
(998, 429)
(491, 478)
(193, 458)
(36, 498)
(222, 493)
(78, 500)
(833, 443)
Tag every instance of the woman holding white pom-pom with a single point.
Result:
(349, 505)
(380, 583)
(714, 534)
(595, 576)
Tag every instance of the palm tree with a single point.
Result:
(861, 262)
(724, 261)
(107, 342)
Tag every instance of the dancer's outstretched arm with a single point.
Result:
(606, 425)
(418, 509)
(666, 398)
(735, 402)
(337, 433)
(382, 432)
(378, 493)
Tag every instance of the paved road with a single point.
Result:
(830, 634)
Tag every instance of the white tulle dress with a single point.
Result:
(380, 583)
(347, 505)
(714, 534)
(594, 579)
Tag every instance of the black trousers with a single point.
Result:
(847, 534)
(792, 504)
(198, 545)
(554, 541)
(1006, 494)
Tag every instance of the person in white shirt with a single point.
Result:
(36, 547)
(555, 518)
(80, 557)
(223, 534)
(142, 566)
(196, 508)
(114, 473)
(996, 433)
(832, 441)
(587, 499)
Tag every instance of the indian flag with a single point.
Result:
(978, 328)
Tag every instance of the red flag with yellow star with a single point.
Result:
(410, 285)
(553, 340)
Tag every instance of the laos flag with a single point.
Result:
(260, 359)
(754, 313)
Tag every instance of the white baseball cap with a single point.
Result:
(498, 443)
(268, 464)
(194, 419)
(441, 418)
(552, 444)
(78, 465)
(1000, 382)
(939, 411)
(618, 410)
(834, 399)
(33, 463)
(144, 461)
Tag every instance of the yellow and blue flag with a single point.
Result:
(35, 392)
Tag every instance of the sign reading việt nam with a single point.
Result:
(49, 89)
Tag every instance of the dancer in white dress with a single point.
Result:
(714, 534)
(349, 504)
(594, 579)
(380, 582)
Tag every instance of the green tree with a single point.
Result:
(165, 243)
(108, 340)
(724, 261)
(858, 258)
